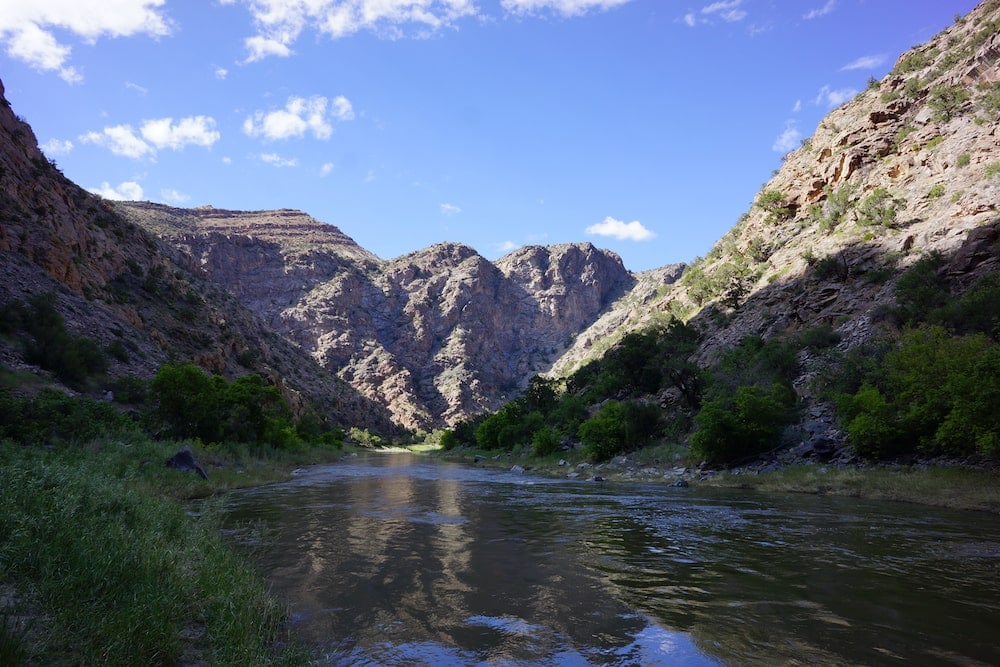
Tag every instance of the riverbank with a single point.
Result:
(938, 483)
(109, 557)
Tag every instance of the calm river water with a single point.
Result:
(397, 560)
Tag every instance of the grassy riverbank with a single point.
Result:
(951, 486)
(108, 557)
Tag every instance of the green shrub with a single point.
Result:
(188, 403)
(937, 395)
(72, 359)
(545, 441)
(921, 289)
(618, 427)
(879, 208)
(936, 191)
(52, 416)
(742, 425)
(947, 101)
(963, 160)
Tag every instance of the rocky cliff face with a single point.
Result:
(436, 335)
(117, 283)
(910, 166)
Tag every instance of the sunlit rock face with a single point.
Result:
(435, 336)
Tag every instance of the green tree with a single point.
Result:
(947, 101)
(736, 427)
(617, 427)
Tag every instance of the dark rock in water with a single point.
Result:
(680, 484)
(598, 478)
(185, 460)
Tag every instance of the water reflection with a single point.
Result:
(392, 560)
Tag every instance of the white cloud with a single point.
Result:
(155, 134)
(727, 10)
(136, 87)
(864, 62)
(172, 196)
(797, 107)
(787, 140)
(276, 160)
(326, 169)
(820, 11)
(221, 73)
(299, 117)
(505, 246)
(57, 147)
(450, 209)
(27, 28)
(563, 7)
(127, 191)
(623, 231)
(120, 140)
(227, 160)
(834, 98)
(279, 23)
(342, 108)
(194, 130)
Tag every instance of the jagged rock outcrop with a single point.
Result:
(116, 283)
(910, 166)
(436, 335)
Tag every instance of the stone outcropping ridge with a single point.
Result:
(436, 335)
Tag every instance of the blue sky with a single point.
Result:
(643, 126)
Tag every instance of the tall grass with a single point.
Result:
(110, 571)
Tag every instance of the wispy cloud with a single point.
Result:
(172, 196)
(864, 62)
(834, 98)
(29, 29)
(158, 133)
(730, 11)
(623, 231)
(450, 209)
(127, 191)
(820, 11)
(221, 73)
(57, 147)
(562, 7)
(279, 23)
(300, 116)
(121, 140)
(326, 169)
(191, 131)
(276, 160)
(788, 140)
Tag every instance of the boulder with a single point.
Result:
(185, 460)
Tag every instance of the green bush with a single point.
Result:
(947, 101)
(72, 359)
(879, 208)
(938, 395)
(545, 441)
(736, 427)
(189, 403)
(618, 427)
(52, 416)
(921, 289)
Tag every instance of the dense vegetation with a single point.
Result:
(98, 559)
(927, 386)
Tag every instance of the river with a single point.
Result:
(399, 560)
